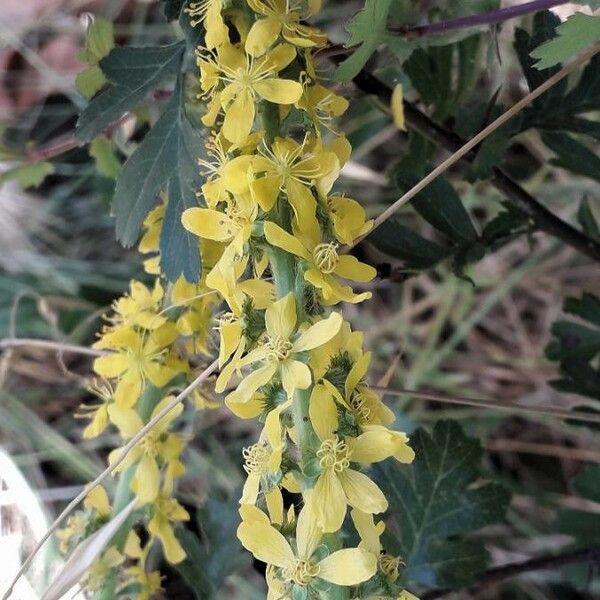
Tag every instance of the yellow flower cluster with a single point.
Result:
(271, 230)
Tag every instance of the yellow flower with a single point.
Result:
(322, 264)
(233, 225)
(339, 485)
(138, 357)
(246, 81)
(397, 107)
(365, 405)
(156, 447)
(348, 219)
(101, 568)
(149, 582)
(208, 13)
(140, 307)
(297, 566)
(322, 105)
(279, 18)
(285, 168)
(97, 413)
(263, 458)
(167, 510)
(224, 173)
(279, 353)
(152, 226)
(97, 499)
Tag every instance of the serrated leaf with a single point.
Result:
(403, 243)
(574, 35)
(438, 496)
(368, 30)
(572, 155)
(165, 160)
(132, 72)
(103, 153)
(438, 204)
(85, 554)
(28, 175)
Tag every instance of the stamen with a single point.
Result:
(326, 257)
(334, 454)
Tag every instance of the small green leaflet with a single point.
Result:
(440, 496)
(572, 154)
(28, 175)
(103, 152)
(368, 28)
(165, 160)
(576, 347)
(99, 42)
(574, 35)
(132, 73)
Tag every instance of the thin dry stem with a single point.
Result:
(110, 469)
(482, 135)
(49, 345)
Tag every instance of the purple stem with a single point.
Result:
(487, 18)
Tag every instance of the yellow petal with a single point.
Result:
(276, 236)
(98, 499)
(146, 480)
(249, 409)
(397, 107)
(239, 118)
(111, 365)
(279, 91)
(250, 490)
(357, 372)
(349, 267)
(295, 375)
(281, 56)
(160, 527)
(349, 566)
(329, 502)
(251, 383)
(265, 190)
(308, 533)
(280, 317)
(231, 334)
(319, 333)
(262, 35)
(368, 532)
(304, 205)
(208, 224)
(127, 420)
(361, 492)
(274, 501)
(322, 412)
(265, 543)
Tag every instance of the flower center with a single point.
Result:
(326, 257)
(389, 566)
(149, 443)
(277, 348)
(334, 454)
(301, 572)
(256, 457)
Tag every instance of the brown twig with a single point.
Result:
(542, 563)
(542, 218)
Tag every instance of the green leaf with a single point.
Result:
(99, 41)
(403, 243)
(544, 28)
(438, 204)
(90, 81)
(584, 526)
(165, 160)
(576, 347)
(574, 35)
(368, 30)
(102, 151)
(572, 155)
(457, 563)
(218, 554)
(440, 495)
(132, 72)
(28, 175)
(504, 227)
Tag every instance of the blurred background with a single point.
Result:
(480, 334)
